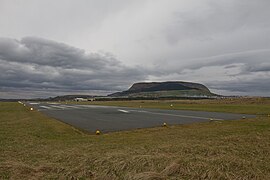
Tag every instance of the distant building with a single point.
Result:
(80, 99)
(84, 99)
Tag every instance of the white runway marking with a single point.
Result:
(96, 106)
(33, 103)
(59, 107)
(75, 107)
(177, 115)
(124, 111)
(62, 107)
(46, 107)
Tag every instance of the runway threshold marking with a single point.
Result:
(176, 115)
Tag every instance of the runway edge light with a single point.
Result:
(165, 125)
(97, 132)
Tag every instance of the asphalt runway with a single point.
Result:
(112, 118)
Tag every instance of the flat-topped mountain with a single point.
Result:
(165, 89)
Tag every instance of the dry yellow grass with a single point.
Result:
(33, 146)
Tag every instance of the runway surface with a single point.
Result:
(112, 118)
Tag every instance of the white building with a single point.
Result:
(80, 99)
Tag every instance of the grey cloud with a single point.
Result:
(258, 67)
(40, 63)
(257, 86)
(217, 18)
(247, 61)
(247, 57)
(222, 43)
(247, 72)
(46, 52)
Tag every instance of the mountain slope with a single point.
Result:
(165, 89)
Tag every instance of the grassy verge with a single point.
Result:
(33, 146)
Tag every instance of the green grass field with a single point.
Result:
(33, 146)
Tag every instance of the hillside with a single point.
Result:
(165, 89)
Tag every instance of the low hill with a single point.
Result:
(165, 89)
(69, 97)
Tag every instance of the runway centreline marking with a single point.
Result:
(177, 115)
(59, 107)
(75, 107)
(124, 111)
(33, 103)
(46, 107)
(97, 106)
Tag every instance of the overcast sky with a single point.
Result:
(50, 47)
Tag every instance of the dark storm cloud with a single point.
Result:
(45, 52)
(40, 63)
